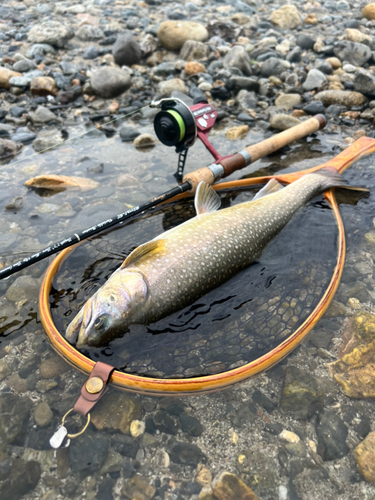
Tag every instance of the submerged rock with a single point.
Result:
(116, 412)
(364, 454)
(23, 288)
(89, 452)
(355, 369)
(14, 414)
(302, 396)
(227, 486)
(22, 478)
(138, 487)
(61, 182)
(332, 434)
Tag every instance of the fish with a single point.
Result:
(182, 264)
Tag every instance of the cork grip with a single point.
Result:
(194, 178)
(278, 141)
(264, 148)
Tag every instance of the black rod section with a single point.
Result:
(91, 231)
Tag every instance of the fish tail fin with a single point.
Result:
(334, 179)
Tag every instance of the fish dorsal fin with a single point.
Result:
(206, 200)
(271, 187)
(143, 250)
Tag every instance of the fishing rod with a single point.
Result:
(179, 125)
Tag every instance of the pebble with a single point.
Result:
(314, 80)
(283, 122)
(289, 437)
(175, 84)
(369, 11)
(43, 86)
(194, 68)
(228, 486)
(126, 51)
(344, 98)
(193, 51)
(353, 53)
(14, 414)
(173, 34)
(287, 17)
(110, 82)
(42, 115)
(332, 433)
(235, 133)
(364, 81)
(137, 428)
(53, 367)
(42, 414)
(144, 141)
(186, 453)
(138, 487)
(51, 33)
(288, 101)
(6, 75)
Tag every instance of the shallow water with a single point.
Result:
(32, 372)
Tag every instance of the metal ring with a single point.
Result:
(72, 436)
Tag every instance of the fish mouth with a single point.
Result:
(76, 330)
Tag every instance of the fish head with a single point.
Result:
(110, 311)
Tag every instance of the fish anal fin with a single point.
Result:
(272, 186)
(142, 250)
(206, 199)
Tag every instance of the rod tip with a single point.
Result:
(322, 120)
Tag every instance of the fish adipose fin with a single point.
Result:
(142, 250)
(335, 180)
(206, 199)
(271, 187)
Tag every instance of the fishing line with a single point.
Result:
(75, 137)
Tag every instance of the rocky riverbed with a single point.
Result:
(70, 71)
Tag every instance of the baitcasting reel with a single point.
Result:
(179, 125)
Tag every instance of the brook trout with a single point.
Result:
(179, 266)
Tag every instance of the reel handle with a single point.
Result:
(212, 174)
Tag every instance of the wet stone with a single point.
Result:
(116, 412)
(262, 400)
(22, 478)
(191, 425)
(164, 423)
(364, 455)
(243, 415)
(138, 487)
(228, 486)
(186, 454)
(105, 489)
(259, 472)
(126, 445)
(332, 433)
(88, 453)
(53, 367)
(302, 395)
(14, 415)
(128, 133)
(43, 414)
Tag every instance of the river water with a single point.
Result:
(236, 430)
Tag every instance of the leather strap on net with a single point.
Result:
(87, 400)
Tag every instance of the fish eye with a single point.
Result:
(101, 323)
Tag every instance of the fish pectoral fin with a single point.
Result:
(142, 250)
(206, 199)
(271, 187)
